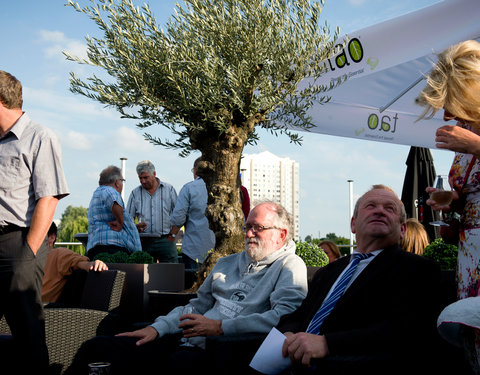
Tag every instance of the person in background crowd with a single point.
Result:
(152, 203)
(110, 227)
(416, 238)
(61, 262)
(331, 249)
(32, 182)
(245, 199)
(190, 212)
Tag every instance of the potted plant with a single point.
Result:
(446, 256)
(442, 253)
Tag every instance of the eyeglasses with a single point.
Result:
(121, 179)
(256, 228)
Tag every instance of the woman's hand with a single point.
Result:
(434, 204)
(458, 139)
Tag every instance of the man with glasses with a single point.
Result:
(246, 292)
(110, 227)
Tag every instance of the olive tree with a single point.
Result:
(213, 75)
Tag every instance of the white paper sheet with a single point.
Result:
(268, 359)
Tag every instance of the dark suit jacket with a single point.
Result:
(391, 308)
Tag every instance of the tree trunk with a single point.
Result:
(220, 169)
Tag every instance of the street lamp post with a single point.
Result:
(123, 174)
(350, 185)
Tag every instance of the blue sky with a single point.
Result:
(34, 34)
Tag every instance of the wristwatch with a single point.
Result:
(173, 235)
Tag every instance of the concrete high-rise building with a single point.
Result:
(268, 177)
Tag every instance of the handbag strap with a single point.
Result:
(467, 173)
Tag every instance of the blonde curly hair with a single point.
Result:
(454, 83)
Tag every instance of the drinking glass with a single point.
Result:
(187, 309)
(442, 197)
(141, 221)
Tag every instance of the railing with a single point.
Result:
(68, 243)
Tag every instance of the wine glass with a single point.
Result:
(142, 225)
(187, 309)
(442, 197)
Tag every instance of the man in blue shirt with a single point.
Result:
(110, 227)
(190, 212)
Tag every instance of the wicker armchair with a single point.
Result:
(67, 328)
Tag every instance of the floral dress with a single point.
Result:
(468, 270)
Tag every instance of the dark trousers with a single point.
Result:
(161, 249)
(161, 356)
(190, 264)
(21, 274)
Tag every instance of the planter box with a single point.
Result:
(140, 278)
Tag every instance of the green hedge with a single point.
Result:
(311, 254)
(442, 253)
(122, 257)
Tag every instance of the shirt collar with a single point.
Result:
(19, 126)
(374, 253)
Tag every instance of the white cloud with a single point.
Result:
(72, 105)
(57, 42)
(52, 36)
(356, 2)
(128, 139)
(77, 141)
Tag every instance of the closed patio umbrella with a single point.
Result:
(419, 175)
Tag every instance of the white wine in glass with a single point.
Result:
(442, 197)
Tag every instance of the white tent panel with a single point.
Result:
(385, 64)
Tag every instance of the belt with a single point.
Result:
(9, 228)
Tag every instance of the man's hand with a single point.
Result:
(302, 347)
(141, 226)
(198, 325)
(145, 335)
(115, 225)
(458, 139)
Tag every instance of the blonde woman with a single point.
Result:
(415, 238)
(332, 250)
(454, 86)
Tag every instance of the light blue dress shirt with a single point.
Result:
(155, 209)
(190, 211)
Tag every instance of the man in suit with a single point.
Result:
(386, 316)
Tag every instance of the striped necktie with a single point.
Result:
(337, 292)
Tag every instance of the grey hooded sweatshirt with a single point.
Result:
(246, 296)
